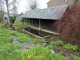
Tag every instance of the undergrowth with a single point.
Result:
(23, 39)
(40, 53)
(27, 39)
(69, 26)
(8, 50)
(70, 47)
(37, 40)
(58, 43)
(75, 57)
(20, 25)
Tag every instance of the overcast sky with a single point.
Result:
(24, 5)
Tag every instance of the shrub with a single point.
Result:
(37, 40)
(27, 20)
(5, 39)
(10, 39)
(20, 34)
(76, 1)
(69, 26)
(52, 43)
(8, 51)
(70, 47)
(23, 39)
(59, 43)
(12, 32)
(55, 38)
(50, 47)
(75, 57)
(12, 19)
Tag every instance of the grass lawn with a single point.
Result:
(20, 25)
(10, 51)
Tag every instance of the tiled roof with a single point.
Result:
(49, 13)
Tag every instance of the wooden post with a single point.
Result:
(39, 24)
(39, 33)
(29, 22)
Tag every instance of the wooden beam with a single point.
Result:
(44, 30)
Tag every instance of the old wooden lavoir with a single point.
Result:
(41, 19)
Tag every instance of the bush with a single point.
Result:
(70, 47)
(8, 51)
(76, 1)
(27, 20)
(59, 43)
(50, 47)
(75, 57)
(69, 26)
(23, 39)
(12, 32)
(12, 19)
(37, 40)
(26, 39)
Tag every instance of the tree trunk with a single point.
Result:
(8, 14)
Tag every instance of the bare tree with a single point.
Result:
(9, 4)
(32, 4)
(1, 11)
(1, 16)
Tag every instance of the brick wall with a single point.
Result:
(53, 3)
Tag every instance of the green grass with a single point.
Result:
(75, 57)
(70, 47)
(50, 47)
(10, 51)
(23, 39)
(37, 40)
(55, 38)
(1, 24)
(58, 43)
(19, 24)
(26, 39)
(7, 51)
(40, 53)
(6, 40)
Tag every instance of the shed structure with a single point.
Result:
(41, 19)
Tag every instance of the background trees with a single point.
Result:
(9, 4)
(32, 4)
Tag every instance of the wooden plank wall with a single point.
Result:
(41, 23)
